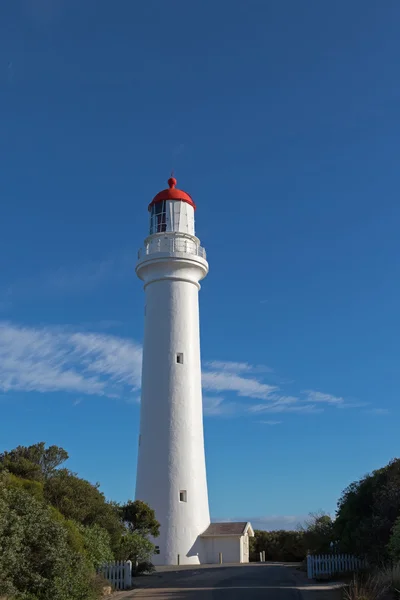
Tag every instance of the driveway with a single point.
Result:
(236, 582)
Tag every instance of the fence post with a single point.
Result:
(179, 560)
(220, 558)
(309, 567)
(128, 575)
(261, 556)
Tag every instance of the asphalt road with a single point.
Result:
(244, 582)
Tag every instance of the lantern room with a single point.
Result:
(172, 210)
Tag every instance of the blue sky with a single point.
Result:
(282, 121)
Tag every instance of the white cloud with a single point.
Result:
(219, 381)
(285, 408)
(237, 367)
(313, 396)
(271, 422)
(377, 411)
(46, 359)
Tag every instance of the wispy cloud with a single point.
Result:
(219, 381)
(48, 359)
(377, 411)
(286, 408)
(271, 422)
(319, 397)
(214, 406)
(237, 367)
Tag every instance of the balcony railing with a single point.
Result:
(170, 244)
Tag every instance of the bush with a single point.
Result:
(394, 542)
(367, 512)
(278, 545)
(36, 560)
(135, 547)
(390, 577)
(80, 501)
(97, 545)
(368, 588)
(143, 567)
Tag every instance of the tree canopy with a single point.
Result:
(56, 528)
(33, 462)
(140, 518)
(36, 561)
(367, 512)
(81, 501)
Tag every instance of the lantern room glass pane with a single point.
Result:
(158, 222)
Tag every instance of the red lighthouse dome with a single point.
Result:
(172, 193)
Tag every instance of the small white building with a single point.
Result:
(228, 542)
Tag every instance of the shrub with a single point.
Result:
(278, 545)
(143, 567)
(390, 576)
(394, 542)
(36, 560)
(135, 547)
(97, 545)
(368, 588)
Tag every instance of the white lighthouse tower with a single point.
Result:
(171, 473)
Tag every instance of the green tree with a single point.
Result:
(80, 501)
(133, 546)
(318, 531)
(97, 544)
(138, 517)
(367, 512)
(33, 462)
(36, 561)
(278, 545)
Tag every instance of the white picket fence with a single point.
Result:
(118, 573)
(329, 564)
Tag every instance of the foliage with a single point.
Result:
(35, 488)
(133, 546)
(96, 544)
(36, 561)
(82, 502)
(389, 576)
(278, 545)
(365, 588)
(318, 532)
(56, 529)
(139, 517)
(33, 462)
(144, 567)
(394, 542)
(367, 512)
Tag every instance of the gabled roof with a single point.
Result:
(229, 528)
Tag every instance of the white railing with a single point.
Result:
(118, 573)
(330, 564)
(169, 244)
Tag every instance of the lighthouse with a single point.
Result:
(171, 470)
